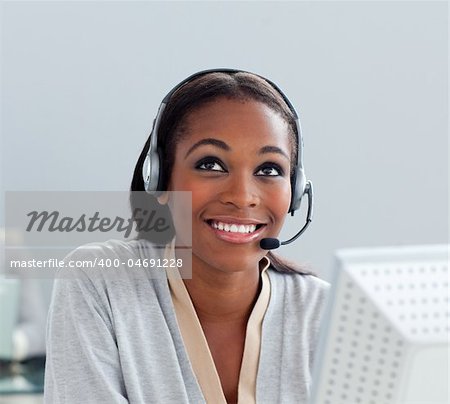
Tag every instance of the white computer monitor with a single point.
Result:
(385, 331)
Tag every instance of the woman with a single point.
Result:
(243, 327)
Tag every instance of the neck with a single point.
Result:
(219, 296)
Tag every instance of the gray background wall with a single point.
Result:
(81, 82)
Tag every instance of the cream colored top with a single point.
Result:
(197, 346)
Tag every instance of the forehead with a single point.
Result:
(245, 123)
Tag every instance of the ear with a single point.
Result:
(163, 199)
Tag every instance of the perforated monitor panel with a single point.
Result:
(386, 329)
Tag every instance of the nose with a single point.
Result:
(241, 191)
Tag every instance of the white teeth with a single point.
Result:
(234, 228)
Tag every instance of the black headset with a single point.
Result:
(152, 164)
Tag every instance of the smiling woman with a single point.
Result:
(243, 327)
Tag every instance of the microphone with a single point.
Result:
(272, 243)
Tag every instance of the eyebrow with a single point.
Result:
(222, 145)
(208, 141)
(273, 149)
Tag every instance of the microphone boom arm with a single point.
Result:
(309, 215)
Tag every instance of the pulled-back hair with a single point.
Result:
(201, 90)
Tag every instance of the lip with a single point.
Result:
(236, 238)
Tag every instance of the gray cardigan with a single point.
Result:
(117, 340)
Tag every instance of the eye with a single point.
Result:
(269, 170)
(210, 164)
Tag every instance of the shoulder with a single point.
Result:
(298, 300)
(116, 249)
(103, 263)
(305, 287)
(113, 254)
(111, 272)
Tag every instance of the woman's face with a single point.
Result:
(235, 159)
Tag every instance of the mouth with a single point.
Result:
(234, 231)
(234, 227)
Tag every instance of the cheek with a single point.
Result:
(199, 192)
(279, 198)
(199, 195)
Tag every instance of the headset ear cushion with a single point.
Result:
(146, 172)
(151, 171)
(298, 189)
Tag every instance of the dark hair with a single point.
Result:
(198, 92)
